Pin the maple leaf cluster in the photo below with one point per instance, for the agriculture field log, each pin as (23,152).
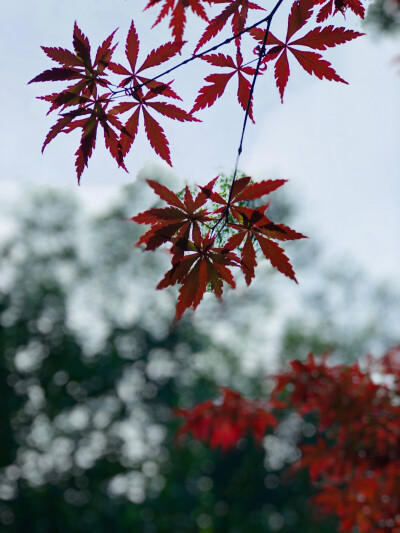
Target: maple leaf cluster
(202,251)
(354,457)
(119,105)
(355,460)
(93,93)
(223,424)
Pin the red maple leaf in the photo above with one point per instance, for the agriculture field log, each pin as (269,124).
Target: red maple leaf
(91,106)
(254,226)
(332,7)
(178,8)
(238,10)
(143,102)
(77,65)
(133,77)
(223,424)
(202,266)
(94,113)
(318,38)
(175,222)
(218,82)
(242,190)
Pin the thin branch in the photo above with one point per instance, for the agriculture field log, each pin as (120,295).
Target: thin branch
(246,116)
(268,19)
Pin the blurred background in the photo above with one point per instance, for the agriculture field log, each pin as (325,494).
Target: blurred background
(92,364)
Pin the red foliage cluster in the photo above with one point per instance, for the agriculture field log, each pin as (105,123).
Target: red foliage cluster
(354,458)
(93,93)
(223,424)
(202,257)
(87,102)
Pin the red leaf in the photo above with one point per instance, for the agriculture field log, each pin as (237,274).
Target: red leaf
(62,56)
(57,128)
(282,72)
(131,129)
(328,37)
(249,261)
(132,46)
(118,69)
(259,189)
(193,287)
(238,9)
(243,95)
(81,45)
(333,6)
(113,144)
(173,112)
(172,223)
(210,93)
(314,64)
(258,34)
(300,13)
(159,88)
(57,74)
(166,194)
(104,53)
(318,38)
(211,31)
(325,11)
(280,232)
(219,60)
(276,255)
(178,16)
(156,136)
(85,150)
(224,423)
(161,55)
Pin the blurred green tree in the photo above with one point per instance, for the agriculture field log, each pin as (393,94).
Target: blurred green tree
(384,15)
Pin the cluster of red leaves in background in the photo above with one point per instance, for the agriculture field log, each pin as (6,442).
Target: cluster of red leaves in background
(89,101)
(355,460)
(354,457)
(201,258)
(224,424)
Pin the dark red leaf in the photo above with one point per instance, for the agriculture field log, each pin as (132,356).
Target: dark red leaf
(328,37)
(210,93)
(173,112)
(156,136)
(314,64)
(57,74)
(161,55)
(81,45)
(276,255)
(62,56)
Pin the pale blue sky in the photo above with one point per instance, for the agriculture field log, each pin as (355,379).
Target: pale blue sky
(338,144)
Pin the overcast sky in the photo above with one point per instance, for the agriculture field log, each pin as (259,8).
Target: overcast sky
(337,144)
